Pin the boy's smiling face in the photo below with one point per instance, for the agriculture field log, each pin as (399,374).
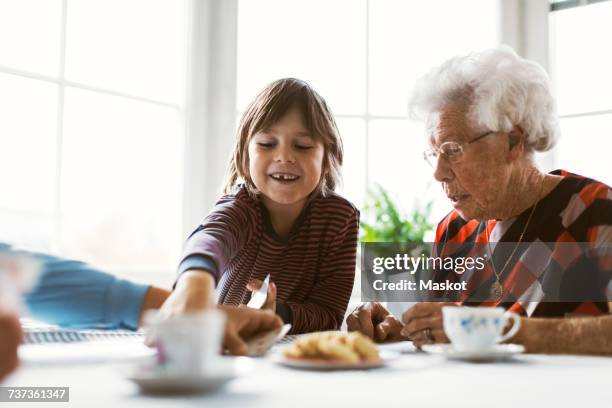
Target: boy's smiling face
(285,161)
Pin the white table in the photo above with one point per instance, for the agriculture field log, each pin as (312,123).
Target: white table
(413,380)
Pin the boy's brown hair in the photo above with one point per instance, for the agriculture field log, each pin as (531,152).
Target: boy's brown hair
(270,105)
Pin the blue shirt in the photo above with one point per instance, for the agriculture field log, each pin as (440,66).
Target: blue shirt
(74,294)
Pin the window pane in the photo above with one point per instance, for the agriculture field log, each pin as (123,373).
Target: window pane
(581,68)
(354,169)
(320,41)
(30,35)
(28,134)
(584,147)
(136,46)
(407,39)
(396,163)
(121,191)
(26,229)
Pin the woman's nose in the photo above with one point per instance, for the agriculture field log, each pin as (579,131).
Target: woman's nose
(442,170)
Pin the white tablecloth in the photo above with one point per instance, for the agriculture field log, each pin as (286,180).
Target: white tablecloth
(413,380)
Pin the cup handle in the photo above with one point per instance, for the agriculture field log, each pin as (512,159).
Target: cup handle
(515,326)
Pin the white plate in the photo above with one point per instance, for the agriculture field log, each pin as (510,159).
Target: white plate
(155,381)
(496,353)
(328,365)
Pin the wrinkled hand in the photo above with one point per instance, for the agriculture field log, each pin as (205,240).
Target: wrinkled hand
(270,304)
(376,322)
(10,338)
(423,316)
(243,323)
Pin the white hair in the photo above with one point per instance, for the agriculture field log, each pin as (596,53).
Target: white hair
(501,89)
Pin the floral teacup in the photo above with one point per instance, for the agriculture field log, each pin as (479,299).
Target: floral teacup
(478,328)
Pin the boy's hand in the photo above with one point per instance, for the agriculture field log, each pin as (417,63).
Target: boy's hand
(194,292)
(242,323)
(270,303)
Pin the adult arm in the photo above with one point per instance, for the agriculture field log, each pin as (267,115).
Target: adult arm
(75,294)
(577,335)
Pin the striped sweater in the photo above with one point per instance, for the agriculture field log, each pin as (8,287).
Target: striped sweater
(313,268)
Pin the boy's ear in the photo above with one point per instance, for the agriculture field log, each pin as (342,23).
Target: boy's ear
(324,175)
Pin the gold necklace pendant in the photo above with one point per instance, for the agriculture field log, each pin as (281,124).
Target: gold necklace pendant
(497,290)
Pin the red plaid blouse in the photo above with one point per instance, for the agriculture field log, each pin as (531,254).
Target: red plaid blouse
(578,211)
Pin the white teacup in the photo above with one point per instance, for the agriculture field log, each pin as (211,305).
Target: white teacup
(478,328)
(187,345)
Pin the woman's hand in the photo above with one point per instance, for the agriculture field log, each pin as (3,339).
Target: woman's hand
(423,324)
(376,322)
(270,304)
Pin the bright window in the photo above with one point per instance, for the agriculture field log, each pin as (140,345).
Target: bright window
(581,65)
(91,134)
(363,56)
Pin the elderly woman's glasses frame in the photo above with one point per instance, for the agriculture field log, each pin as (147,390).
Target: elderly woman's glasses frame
(452,150)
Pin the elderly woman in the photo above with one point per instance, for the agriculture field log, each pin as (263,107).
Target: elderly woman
(486,115)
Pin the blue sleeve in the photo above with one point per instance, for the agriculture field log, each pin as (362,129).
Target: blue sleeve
(201,262)
(72,293)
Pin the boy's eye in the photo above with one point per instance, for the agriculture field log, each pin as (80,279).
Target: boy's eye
(304,147)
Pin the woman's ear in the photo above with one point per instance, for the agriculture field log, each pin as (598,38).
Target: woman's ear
(516,141)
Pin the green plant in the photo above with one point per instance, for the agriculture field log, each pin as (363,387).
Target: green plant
(386,222)
(387,232)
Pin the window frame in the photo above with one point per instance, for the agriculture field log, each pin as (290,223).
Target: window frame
(182,108)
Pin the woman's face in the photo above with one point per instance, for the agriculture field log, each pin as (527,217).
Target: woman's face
(285,161)
(477,185)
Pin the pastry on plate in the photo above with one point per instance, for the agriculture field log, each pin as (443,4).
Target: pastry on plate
(334,346)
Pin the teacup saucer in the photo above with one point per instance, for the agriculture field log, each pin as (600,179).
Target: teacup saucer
(157,381)
(498,352)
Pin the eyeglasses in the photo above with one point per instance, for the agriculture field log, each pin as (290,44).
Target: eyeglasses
(452,150)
